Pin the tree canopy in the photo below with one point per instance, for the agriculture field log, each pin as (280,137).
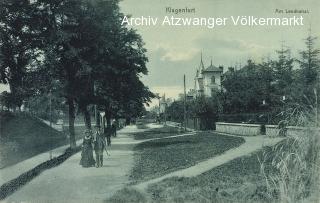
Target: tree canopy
(75,50)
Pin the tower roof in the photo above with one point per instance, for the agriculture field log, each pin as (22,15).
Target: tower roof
(212,68)
(201,66)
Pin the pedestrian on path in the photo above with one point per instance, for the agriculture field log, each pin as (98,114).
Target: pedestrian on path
(114,129)
(108,132)
(99,146)
(87,151)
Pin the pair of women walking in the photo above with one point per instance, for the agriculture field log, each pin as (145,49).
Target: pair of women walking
(94,142)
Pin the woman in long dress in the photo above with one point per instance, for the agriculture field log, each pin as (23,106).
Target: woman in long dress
(87,151)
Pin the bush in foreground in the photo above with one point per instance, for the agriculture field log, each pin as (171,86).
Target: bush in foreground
(297,169)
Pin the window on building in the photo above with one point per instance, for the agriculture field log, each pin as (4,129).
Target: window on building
(213,80)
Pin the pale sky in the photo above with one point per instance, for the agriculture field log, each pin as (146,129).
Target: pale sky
(174,51)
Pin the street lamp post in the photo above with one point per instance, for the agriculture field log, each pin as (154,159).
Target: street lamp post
(283,104)
(265,105)
(96,113)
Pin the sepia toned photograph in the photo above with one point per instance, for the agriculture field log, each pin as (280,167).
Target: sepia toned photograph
(151,101)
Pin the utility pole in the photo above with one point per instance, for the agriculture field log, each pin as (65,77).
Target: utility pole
(316,95)
(316,106)
(50,108)
(165,109)
(185,101)
(158,96)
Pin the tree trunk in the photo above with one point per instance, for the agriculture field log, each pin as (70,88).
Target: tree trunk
(108,119)
(71,123)
(128,121)
(87,118)
(97,116)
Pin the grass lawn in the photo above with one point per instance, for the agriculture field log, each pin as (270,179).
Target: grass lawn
(239,180)
(242,180)
(23,136)
(157,133)
(158,157)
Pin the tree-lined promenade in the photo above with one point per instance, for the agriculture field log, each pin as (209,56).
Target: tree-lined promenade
(71,53)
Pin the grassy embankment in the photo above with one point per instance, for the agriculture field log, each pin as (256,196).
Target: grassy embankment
(23,136)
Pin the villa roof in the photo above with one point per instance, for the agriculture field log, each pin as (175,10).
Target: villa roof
(212,68)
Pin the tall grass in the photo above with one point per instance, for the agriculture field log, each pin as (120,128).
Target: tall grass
(296,162)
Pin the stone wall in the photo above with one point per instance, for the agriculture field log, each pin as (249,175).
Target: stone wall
(255,129)
(238,128)
(272,130)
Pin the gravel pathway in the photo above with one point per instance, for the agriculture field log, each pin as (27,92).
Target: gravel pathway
(69,182)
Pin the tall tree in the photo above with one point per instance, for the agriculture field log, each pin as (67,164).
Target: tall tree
(65,53)
(310,66)
(283,70)
(117,78)
(309,61)
(20,40)
(307,85)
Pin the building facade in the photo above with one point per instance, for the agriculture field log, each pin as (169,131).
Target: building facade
(207,80)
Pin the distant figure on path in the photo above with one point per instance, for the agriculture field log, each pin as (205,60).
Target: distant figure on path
(114,129)
(99,146)
(87,151)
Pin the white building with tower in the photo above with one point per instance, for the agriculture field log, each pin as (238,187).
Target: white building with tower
(207,80)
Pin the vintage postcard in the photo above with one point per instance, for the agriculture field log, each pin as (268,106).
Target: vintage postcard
(160,101)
